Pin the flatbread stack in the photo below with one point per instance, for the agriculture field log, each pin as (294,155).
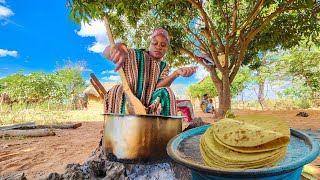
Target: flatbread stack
(246,143)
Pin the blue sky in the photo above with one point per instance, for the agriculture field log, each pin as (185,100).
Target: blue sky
(37,35)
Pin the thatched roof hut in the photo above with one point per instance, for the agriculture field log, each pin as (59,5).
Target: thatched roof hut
(93,94)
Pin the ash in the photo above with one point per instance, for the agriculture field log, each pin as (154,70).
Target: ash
(99,166)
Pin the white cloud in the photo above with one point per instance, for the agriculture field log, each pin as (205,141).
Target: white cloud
(97,30)
(111,78)
(108,72)
(97,47)
(83,68)
(201,73)
(4,52)
(87,70)
(5,12)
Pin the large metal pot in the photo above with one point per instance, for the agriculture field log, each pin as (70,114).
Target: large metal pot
(139,137)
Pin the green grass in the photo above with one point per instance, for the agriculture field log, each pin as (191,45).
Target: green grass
(44,116)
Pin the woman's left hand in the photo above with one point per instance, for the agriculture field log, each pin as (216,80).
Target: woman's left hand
(186,71)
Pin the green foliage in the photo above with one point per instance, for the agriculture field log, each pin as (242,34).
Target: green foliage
(71,78)
(206,85)
(132,22)
(264,66)
(241,81)
(303,64)
(297,91)
(35,86)
(39,86)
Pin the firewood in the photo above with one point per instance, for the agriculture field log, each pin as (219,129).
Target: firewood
(17,126)
(28,133)
(62,126)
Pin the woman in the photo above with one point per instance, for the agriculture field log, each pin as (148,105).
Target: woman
(147,75)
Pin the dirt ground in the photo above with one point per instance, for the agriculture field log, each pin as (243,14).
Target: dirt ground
(39,156)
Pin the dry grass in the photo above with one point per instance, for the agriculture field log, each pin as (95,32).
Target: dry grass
(41,116)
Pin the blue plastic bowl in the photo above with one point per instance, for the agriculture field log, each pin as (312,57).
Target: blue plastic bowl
(184,149)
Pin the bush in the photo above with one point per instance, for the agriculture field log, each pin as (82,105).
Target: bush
(304,104)
(230,114)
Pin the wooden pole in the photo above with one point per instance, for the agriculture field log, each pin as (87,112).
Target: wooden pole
(98,86)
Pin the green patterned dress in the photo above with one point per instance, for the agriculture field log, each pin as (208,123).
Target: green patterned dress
(143,73)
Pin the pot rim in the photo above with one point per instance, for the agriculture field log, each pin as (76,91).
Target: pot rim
(143,115)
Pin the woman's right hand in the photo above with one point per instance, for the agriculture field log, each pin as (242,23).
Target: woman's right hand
(117,54)
(186,71)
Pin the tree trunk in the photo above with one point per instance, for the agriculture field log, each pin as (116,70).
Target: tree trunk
(224,95)
(313,93)
(261,93)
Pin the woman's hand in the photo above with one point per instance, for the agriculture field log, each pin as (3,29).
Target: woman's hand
(117,54)
(186,71)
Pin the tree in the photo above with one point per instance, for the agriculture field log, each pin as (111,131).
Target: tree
(264,68)
(238,29)
(303,64)
(71,76)
(35,87)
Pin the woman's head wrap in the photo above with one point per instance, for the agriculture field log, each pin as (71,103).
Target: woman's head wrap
(162,32)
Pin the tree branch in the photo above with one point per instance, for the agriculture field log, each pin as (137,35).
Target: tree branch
(235,16)
(235,40)
(196,58)
(208,23)
(235,70)
(269,18)
(196,36)
(233,60)
(221,10)
(200,47)
(211,69)
(252,15)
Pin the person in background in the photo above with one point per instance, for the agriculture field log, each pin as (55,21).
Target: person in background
(204,102)
(210,108)
(83,101)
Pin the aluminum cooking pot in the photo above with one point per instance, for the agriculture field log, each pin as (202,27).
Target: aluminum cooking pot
(139,137)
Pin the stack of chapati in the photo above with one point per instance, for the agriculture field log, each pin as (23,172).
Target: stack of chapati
(245,143)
